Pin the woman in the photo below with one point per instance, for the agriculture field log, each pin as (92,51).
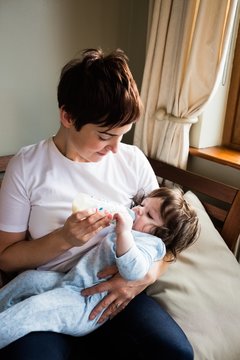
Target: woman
(98,102)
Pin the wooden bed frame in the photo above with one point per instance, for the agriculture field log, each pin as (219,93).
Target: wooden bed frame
(221,201)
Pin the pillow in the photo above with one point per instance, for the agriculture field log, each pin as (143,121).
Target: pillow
(201,291)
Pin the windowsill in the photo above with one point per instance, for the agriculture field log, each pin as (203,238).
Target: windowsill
(218,154)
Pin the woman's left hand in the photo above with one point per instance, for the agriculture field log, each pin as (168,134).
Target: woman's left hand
(120,291)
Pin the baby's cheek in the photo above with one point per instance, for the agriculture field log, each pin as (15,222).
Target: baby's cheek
(138,226)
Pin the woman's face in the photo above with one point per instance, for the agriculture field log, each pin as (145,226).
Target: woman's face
(148,215)
(92,143)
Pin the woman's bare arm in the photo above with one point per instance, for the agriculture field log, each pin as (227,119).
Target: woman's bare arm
(18,253)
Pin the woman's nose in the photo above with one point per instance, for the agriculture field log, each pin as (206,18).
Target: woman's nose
(113,146)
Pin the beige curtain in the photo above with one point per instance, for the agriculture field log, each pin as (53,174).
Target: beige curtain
(187,46)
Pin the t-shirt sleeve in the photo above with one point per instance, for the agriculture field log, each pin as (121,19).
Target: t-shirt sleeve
(14,202)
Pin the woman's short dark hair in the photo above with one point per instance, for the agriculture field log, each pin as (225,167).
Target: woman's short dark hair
(99,89)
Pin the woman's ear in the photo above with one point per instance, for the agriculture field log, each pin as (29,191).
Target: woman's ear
(65,118)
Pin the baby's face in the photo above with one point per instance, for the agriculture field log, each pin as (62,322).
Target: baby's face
(148,215)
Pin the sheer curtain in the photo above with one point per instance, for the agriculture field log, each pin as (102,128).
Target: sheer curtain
(186,51)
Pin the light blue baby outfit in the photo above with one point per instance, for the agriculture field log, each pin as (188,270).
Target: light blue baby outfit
(50,301)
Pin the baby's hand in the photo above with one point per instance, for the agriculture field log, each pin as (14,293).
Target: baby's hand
(124,221)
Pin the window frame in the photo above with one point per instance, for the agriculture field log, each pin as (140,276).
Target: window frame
(231,130)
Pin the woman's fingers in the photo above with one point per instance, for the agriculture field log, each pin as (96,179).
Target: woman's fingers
(118,295)
(118,308)
(83,225)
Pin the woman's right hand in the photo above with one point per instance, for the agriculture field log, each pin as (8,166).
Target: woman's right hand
(83,225)
(17,253)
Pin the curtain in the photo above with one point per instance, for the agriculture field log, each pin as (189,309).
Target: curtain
(186,50)
(237,249)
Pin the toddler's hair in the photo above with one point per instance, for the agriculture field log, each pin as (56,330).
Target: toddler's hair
(181,225)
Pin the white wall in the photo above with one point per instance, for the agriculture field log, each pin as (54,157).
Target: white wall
(37,37)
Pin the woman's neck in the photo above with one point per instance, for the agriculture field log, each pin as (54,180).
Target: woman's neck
(62,144)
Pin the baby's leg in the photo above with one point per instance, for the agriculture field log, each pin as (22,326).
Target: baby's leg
(60,310)
(26,284)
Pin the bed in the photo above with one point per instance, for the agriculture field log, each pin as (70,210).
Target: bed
(201,290)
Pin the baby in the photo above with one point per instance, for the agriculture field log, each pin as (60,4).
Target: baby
(158,224)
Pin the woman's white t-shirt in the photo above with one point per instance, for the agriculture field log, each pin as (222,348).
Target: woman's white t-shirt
(40,184)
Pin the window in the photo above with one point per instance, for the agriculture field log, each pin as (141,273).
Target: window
(231,132)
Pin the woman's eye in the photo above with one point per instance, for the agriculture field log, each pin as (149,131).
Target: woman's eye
(103,138)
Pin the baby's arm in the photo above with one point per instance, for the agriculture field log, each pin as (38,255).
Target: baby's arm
(124,236)
(135,251)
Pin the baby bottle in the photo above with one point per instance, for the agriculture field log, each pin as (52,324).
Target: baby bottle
(84,201)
